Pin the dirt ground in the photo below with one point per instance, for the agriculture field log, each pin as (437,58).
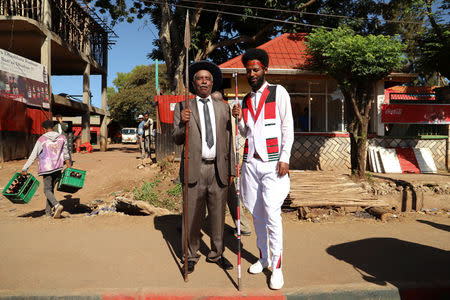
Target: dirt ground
(108,172)
(119,171)
(115,250)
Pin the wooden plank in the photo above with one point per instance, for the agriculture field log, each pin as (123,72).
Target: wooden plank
(315,189)
(425,160)
(322,180)
(380,213)
(324,186)
(333,190)
(355,199)
(373,203)
(389,161)
(325,192)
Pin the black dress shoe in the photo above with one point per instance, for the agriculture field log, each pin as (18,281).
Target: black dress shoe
(222,262)
(190,267)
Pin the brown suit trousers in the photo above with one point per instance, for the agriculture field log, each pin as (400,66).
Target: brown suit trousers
(207,181)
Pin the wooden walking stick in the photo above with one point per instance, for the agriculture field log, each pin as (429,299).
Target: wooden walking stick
(238,190)
(187,43)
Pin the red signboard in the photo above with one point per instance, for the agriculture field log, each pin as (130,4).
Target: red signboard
(415,113)
(409,93)
(166,106)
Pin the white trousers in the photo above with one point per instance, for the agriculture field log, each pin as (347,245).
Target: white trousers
(263,193)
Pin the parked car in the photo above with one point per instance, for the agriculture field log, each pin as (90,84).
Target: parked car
(129,135)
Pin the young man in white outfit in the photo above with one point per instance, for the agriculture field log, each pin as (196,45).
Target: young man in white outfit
(265,120)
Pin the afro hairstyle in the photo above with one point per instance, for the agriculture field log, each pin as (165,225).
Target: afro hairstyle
(255,53)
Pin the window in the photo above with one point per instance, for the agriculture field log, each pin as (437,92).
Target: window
(129,131)
(317,105)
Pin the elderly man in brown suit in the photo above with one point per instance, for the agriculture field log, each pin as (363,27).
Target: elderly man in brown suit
(211,161)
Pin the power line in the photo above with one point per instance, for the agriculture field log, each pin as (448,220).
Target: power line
(151,30)
(239,15)
(292,11)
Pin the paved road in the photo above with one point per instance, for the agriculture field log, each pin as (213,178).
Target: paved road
(106,255)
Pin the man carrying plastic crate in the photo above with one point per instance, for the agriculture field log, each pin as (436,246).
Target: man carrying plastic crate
(52,151)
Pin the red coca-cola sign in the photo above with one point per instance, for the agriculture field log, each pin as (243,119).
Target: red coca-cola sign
(415,113)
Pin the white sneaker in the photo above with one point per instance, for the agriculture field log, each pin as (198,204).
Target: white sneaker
(258,267)
(276,280)
(58,210)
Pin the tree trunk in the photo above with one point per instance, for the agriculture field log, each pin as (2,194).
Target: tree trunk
(173,50)
(359,102)
(178,77)
(361,150)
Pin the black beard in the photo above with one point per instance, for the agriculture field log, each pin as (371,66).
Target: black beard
(255,86)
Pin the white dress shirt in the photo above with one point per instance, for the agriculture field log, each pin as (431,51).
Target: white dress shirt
(287,124)
(207,153)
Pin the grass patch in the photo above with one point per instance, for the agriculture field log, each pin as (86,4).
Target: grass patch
(175,190)
(147,193)
(370,178)
(160,193)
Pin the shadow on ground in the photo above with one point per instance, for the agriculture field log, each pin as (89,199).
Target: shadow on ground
(435,225)
(71,205)
(400,263)
(410,199)
(170,227)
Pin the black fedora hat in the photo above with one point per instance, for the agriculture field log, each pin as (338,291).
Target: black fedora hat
(209,66)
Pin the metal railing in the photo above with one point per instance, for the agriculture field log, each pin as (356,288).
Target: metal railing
(73,21)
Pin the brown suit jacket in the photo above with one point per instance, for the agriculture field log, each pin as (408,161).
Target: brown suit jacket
(225,156)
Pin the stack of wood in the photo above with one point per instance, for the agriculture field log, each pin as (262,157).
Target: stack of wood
(318,189)
(313,190)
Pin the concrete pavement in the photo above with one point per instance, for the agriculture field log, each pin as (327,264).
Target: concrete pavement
(123,257)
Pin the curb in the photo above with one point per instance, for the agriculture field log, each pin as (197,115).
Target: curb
(316,293)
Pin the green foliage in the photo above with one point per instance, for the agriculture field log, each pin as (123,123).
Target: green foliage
(135,94)
(434,53)
(428,42)
(176,190)
(215,36)
(352,58)
(370,178)
(147,192)
(150,193)
(356,62)
(233,34)
(121,80)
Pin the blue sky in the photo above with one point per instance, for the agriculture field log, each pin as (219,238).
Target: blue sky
(134,42)
(131,48)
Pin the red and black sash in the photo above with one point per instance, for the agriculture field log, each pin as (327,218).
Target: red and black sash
(267,100)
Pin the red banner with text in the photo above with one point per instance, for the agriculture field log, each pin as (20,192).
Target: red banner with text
(415,113)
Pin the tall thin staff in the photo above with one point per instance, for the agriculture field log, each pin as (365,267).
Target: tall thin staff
(238,190)
(187,43)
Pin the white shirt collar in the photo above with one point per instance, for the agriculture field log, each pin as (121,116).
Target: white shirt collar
(261,89)
(198,98)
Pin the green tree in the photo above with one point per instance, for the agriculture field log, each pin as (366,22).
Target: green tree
(121,79)
(356,62)
(110,91)
(423,27)
(215,34)
(135,94)
(434,42)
